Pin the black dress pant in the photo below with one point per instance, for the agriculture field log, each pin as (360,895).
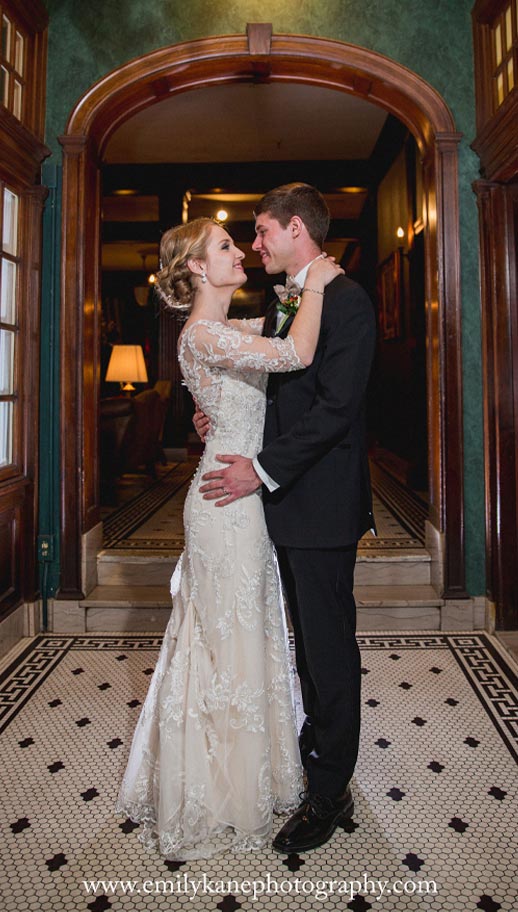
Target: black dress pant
(318,586)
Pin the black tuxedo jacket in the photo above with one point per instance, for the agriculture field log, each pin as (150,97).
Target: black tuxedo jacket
(314,437)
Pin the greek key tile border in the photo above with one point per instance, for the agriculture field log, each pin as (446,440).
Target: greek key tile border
(491,676)
(409,508)
(494,681)
(33,666)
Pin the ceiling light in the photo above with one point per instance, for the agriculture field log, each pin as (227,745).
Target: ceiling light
(222,215)
(125,191)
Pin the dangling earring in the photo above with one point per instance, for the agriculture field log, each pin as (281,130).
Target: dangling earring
(204,277)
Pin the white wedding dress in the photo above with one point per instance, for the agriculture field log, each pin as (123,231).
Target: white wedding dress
(215,750)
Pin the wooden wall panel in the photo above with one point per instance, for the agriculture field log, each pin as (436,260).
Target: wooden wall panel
(497,197)
(11,544)
(7,556)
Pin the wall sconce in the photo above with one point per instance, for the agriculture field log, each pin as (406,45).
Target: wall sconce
(126,365)
(141,292)
(401,234)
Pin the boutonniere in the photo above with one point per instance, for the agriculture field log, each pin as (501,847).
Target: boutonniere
(289,307)
(289,300)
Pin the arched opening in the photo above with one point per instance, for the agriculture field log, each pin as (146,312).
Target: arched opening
(311,61)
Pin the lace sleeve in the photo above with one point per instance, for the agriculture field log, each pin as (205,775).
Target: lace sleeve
(253,325)
(219,345)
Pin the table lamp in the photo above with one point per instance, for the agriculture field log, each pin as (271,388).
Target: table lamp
(126,365)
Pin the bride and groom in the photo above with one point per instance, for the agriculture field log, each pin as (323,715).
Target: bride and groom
(215,751)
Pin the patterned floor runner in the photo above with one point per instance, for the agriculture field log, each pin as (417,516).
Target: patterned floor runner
(153,521)
(120,524)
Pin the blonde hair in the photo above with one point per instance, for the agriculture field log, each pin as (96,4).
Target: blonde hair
(175,283)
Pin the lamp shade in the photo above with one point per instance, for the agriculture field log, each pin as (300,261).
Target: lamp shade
(127,364)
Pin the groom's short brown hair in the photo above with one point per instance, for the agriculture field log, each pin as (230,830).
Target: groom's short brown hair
(303,200)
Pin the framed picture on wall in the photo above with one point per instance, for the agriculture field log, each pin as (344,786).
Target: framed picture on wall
(389,296)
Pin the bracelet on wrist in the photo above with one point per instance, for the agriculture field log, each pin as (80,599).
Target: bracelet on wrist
(314,290)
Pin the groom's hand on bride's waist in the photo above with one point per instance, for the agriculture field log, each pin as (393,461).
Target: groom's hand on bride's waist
(237,480)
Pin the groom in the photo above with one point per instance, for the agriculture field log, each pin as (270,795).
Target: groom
(317,502)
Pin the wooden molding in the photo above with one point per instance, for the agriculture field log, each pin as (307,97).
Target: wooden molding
(450,343)
(21,153)
(292,58)
(485,10)
(31,13)
(496,144)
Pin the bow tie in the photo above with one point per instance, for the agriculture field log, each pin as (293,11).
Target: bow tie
(290,290)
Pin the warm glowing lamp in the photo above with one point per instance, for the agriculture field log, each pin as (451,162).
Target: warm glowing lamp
(222,215)
(126,365)
(400,232)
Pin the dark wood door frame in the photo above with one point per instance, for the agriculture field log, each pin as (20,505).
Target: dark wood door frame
(498,223)
(283,58)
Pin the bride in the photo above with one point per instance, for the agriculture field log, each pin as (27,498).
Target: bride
(215,751)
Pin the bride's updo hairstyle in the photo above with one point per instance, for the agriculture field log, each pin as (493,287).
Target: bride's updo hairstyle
(176,284)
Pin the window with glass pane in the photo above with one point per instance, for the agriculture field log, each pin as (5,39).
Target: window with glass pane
(12,65)
(505,52)
(6,433)
(9,265)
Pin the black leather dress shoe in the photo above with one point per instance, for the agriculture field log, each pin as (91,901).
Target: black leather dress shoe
(314,822)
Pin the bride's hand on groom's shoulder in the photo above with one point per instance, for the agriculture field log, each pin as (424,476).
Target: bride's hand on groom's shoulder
(323,270)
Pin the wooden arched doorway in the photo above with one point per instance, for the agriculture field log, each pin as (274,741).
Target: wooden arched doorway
(256,57)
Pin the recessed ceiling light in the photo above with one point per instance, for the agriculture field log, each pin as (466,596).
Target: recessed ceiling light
(125,191)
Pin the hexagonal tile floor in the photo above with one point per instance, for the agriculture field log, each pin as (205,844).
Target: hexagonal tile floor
(435,788)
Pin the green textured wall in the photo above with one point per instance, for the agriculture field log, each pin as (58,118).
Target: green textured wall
(431,37)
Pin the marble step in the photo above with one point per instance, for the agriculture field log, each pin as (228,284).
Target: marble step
(121,596)
(116,568)
(415,607)
(127,608)
(402,568)
(147,608)
(408,568)
(396,596)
